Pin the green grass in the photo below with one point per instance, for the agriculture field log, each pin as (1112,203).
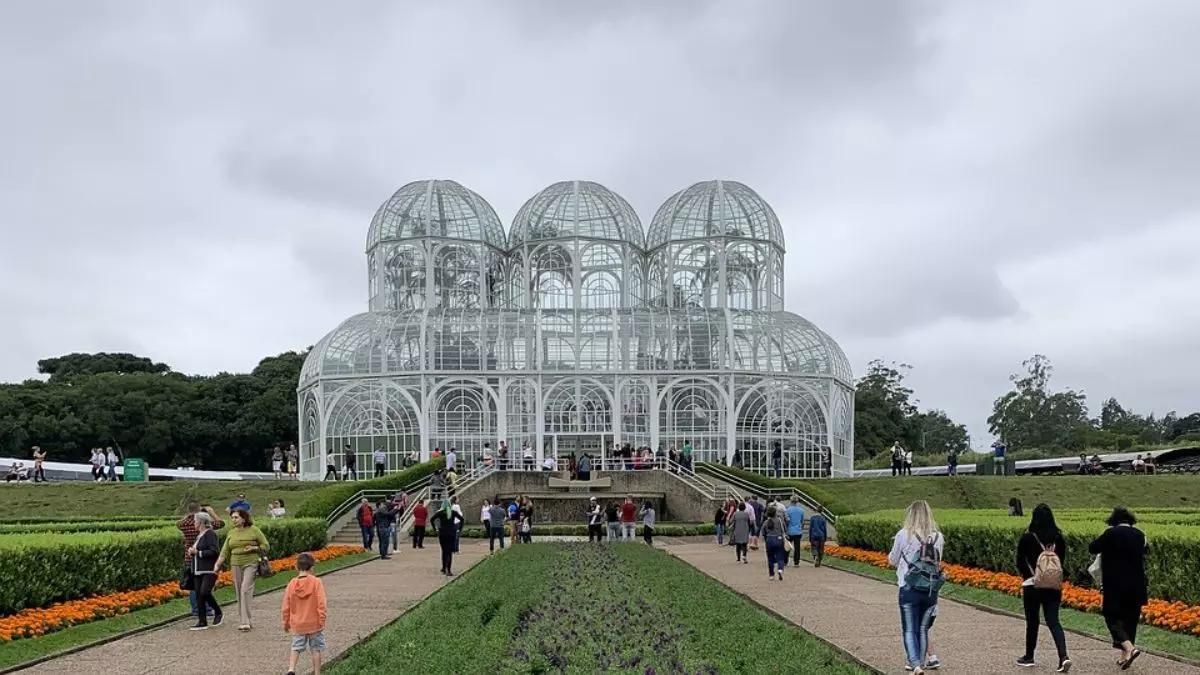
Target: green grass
(68,499)
(1158,639)
(860,495)
(577,608)
(22,651)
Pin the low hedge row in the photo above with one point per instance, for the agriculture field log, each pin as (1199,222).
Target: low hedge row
(662,530)
(320,503)
(988,540)
(31,520)
(42,568)
(87,526)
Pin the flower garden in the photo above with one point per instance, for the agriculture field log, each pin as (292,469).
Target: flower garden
(575,607)
(980,548)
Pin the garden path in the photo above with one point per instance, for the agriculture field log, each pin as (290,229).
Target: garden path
(360,600)
(860,616)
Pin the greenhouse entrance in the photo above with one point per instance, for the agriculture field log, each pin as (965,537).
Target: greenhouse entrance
(567,447)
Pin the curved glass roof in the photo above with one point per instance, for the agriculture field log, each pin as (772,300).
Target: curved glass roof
(715,208)
(576,209)
(436,208)
(580,341)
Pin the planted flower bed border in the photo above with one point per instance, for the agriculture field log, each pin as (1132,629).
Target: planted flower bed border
(31,623)
(1174,616)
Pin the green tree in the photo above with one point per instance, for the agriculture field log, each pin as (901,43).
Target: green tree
(1031,416)
(883,410)
(75,365)
(940,434)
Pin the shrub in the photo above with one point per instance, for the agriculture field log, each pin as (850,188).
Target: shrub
(87,526)
(41,568)
(322,502)
(988,539)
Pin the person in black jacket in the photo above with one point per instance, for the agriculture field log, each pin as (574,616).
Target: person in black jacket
(385,520)
(445,523)
(1043,535)
(1122,551)
(204,554)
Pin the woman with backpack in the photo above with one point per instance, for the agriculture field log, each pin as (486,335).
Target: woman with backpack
(917,556)
(1041,559)
(1122,551)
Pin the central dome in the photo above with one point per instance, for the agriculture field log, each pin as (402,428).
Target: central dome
(576,210)
(715,208)
(436,208)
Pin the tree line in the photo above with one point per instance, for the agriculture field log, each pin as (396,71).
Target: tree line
(223,421)
(1030,416)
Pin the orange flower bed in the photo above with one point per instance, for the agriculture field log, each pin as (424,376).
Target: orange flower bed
(1175,616)
(31,623)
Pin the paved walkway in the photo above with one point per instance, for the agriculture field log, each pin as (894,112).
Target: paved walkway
(860,616)
(360,599)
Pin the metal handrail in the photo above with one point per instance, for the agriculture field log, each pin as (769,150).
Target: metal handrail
(348,505)
(788,492)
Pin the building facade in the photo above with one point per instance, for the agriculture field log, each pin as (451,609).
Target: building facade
(576,331)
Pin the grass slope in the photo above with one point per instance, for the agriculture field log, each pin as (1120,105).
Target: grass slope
(68,499)
(580,608)
(860,495)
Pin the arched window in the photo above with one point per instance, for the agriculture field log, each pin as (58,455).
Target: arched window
(456,273)
(784,416)
(404,277)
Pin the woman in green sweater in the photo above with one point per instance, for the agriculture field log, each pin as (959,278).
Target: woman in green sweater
(243,547)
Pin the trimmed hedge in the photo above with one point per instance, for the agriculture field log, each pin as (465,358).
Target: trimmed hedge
(87,526)
(43,568)
(988,539)
(322,502)
(662,530)
(35,520)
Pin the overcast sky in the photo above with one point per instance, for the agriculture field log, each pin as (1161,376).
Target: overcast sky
(961,184)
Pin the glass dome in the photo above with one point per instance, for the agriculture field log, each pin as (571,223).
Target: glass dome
(576,209)
(436,208)
(712,209)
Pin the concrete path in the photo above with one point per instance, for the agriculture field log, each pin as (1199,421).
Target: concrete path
(860,616)
(360,600)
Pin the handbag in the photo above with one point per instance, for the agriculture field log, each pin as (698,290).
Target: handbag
(1096,571)
(187,579)
(264,567)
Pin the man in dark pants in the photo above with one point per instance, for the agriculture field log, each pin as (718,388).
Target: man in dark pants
(348,462)
(385,520)
(777,459)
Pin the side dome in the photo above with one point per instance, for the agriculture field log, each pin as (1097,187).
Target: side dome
(715,208)
(436,208)
(576,210)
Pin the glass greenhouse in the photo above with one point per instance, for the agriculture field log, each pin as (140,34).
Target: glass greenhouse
(577,332)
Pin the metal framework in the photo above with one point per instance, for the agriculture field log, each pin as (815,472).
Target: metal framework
(576,333)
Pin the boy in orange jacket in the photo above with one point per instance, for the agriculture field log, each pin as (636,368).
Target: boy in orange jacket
(304,614)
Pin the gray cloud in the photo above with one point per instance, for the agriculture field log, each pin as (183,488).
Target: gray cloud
(961,185)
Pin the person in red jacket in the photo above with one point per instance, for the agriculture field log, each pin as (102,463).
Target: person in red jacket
(420,519)
(304,614)
(628,519)
(366,522)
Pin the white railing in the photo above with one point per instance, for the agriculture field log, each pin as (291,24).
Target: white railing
(779,493)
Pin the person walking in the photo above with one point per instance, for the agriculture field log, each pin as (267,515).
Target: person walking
(739,532)
(612,516)
(1041,559)
(816,537)
(39,468)
(794,516)
(777,459)
(330,466)
(243,548)
(420,521)
(756,512)
(399,507)
(595,521)
(366,522)
(191,531)
(304,613)
(916,554)
(719,523)
(514,519)
(1122,551)
(897,460)
(496,517)
(628,519)
(111,460)
(908,460)
(451,459)
(774,532)
(349,463)
(525,520)
(647,514)
(97,462)
(380,459)
(277,462)
(204,552)
(293,462)
(462,520)
(385,520)
(445,524)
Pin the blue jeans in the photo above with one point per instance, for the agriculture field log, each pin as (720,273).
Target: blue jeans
(368,535)
(776,554)
(385,538)
(916,618)
(495,533)
(721,535)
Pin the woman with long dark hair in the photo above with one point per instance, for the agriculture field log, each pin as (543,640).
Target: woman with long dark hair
(1122,551)
(1041,559)
(445,523)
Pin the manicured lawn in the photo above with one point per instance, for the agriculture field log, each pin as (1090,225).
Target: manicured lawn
(1158,639)
(859,495)
(581,608)
(22,651)
(160,498)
